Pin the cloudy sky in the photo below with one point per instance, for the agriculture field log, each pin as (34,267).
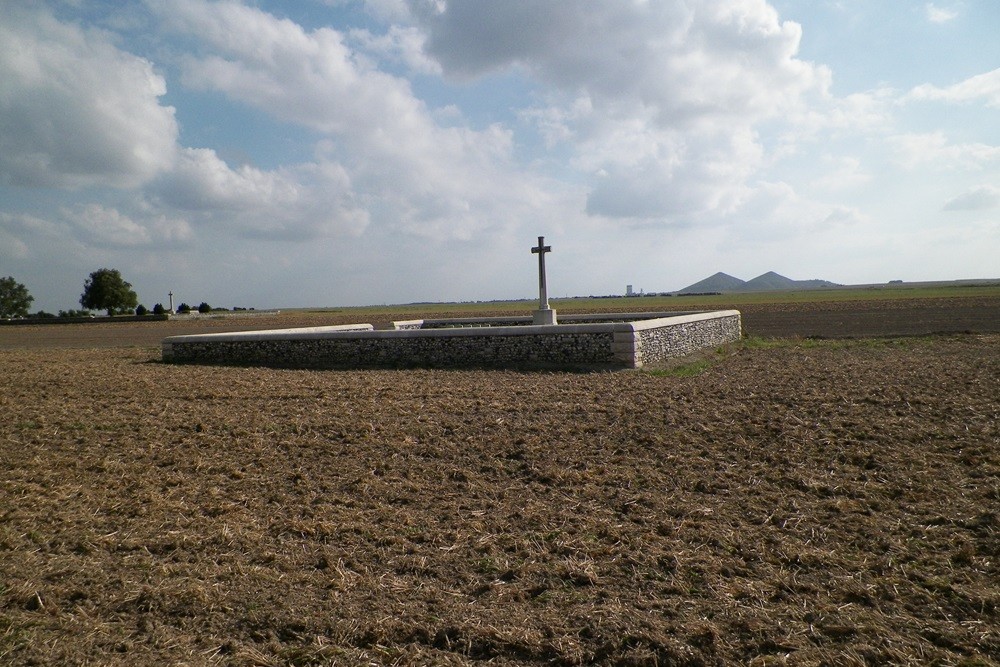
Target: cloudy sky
(292,153)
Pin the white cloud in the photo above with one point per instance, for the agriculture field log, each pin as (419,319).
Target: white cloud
(729,59)
(310,78)
(404,45)
(857,112)
(985,87)
(409,172)
(844,173)
(659,100)
(304,202)
(107,226)
(36,242)
(981,198)
(203,181)
(913,150)
(774,211)
(668,173)
(25,226)
(75,110)
(12,247)
(844,217)
(937,14)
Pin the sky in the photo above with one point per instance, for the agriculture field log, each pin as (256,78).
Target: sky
(322,153)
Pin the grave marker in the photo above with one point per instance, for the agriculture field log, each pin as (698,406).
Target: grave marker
(544,314)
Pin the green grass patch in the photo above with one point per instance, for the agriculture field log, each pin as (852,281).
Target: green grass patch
(691,365)
(665,302)
(737,299)
(762,343)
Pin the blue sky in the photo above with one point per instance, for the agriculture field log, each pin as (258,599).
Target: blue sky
(348,152)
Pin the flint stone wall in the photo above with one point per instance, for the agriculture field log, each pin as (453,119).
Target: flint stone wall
(612,345)
(658,343)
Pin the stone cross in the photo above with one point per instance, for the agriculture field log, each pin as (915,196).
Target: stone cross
(543,295)
(171,295)
(544,314)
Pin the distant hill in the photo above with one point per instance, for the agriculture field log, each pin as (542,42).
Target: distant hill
(767,282)
(719,282)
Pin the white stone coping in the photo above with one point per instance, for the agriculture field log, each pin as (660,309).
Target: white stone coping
(349,331)
(489,321)
(271,334)
(642,325)
(370,333)
(409,323)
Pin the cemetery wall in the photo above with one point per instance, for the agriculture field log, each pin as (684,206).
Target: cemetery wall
(615,344)
(526,320)
(685,335)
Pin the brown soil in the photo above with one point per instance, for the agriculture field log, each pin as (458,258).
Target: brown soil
(819,502)
(896,317)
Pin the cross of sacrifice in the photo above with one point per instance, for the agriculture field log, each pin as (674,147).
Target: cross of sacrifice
(543,296)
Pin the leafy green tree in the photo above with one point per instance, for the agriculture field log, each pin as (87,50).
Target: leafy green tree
(204,308)
(141,310)
(14,298)
(184,308)
(105,289)
(158,309)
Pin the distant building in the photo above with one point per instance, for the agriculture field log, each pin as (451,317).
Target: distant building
(629,291)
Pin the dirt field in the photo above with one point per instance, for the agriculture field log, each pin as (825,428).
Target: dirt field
(798,502)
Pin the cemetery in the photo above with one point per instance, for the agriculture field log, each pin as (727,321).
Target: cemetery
(466,343)
(629,340)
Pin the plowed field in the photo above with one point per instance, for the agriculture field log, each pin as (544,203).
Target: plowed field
(805,502)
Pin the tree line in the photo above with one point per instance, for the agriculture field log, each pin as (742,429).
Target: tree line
(104,289)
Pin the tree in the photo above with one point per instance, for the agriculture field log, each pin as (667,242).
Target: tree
(141,310)
(158,309)
(14,298)
(105,289)
(204,308)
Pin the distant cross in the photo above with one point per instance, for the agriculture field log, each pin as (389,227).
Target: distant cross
(543,296)
(171,295)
